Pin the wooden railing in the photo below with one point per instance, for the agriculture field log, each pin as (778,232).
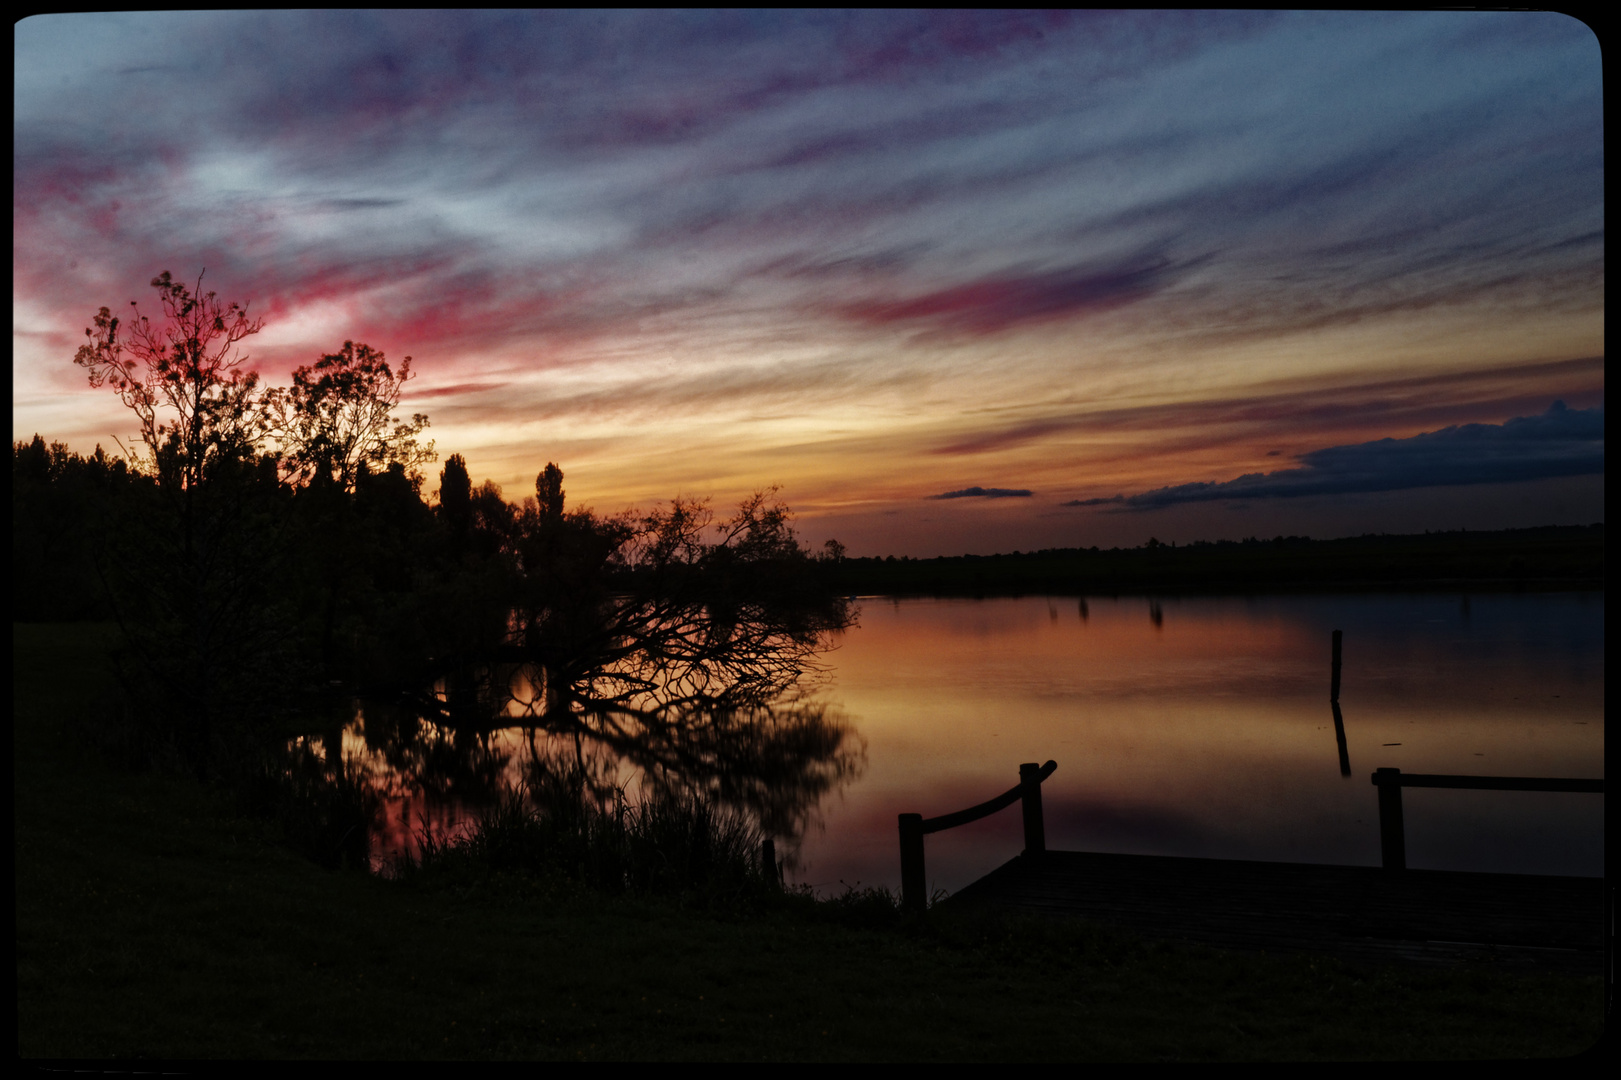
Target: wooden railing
(1392,834)
(914,827)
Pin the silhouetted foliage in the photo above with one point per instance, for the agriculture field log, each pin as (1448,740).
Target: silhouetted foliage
(234,568)
(268,553)
(644,617)
(338,417)
(62,507)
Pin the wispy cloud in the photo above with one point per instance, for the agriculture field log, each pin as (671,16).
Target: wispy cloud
(999,302)
(1117,249)
(1413,401)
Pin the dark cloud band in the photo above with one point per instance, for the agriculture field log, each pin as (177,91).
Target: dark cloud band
(1559,442)
(985,493)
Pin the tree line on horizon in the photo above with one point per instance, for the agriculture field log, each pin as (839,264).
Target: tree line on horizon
(1541,556)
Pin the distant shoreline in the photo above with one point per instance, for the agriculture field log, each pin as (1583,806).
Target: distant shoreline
(1548,558)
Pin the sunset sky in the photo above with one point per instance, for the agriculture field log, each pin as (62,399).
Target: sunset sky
(957,282)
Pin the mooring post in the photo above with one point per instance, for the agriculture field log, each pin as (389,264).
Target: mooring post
(1035,833)
(912,880)
(1339,737)
(1334,678)
(1392,840)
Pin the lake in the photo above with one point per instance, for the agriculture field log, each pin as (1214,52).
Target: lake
(1195,726)
(1202,727)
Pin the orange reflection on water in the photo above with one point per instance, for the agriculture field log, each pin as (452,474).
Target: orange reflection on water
(420,793)
(1201,726)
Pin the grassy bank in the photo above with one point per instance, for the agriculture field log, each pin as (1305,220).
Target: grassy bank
(155,922)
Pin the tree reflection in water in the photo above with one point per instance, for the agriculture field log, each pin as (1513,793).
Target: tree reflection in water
(634,649)
(433,764)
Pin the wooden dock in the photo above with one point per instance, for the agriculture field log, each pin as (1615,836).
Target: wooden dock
(1356,913)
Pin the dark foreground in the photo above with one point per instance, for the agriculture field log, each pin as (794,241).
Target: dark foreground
(1360,914)
(154,926)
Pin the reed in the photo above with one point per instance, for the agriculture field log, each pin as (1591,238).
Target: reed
(665,845)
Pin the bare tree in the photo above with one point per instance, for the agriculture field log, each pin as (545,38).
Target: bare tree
(188,365)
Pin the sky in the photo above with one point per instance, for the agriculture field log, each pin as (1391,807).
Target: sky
(954,281)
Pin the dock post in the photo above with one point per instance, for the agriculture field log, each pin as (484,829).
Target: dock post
(1392,839)
(1334,678)
(1035,832)
(913,883)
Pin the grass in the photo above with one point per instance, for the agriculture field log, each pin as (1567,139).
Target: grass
(154,921)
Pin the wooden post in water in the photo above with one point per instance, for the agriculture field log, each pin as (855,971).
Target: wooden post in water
(913,884)
(1035,832)
(1334,680)
(1392,837)
(1339,737)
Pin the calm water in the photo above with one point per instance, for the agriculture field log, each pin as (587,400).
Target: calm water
(1202,727)
(1193,726)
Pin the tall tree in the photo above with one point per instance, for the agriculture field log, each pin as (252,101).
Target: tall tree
(456,497)
(549,491)
(191,569)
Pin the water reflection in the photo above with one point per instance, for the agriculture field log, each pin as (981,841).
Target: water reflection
(1204,734)
(1199,732)
(434,759)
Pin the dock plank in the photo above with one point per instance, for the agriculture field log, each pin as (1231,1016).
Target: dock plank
(1357,913)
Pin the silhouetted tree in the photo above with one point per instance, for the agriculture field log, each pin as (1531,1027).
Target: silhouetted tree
(188,365)
(549,491)
(456,497)
(239,569)
(190,568)
(649,619)
(340,441)
(339,416)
